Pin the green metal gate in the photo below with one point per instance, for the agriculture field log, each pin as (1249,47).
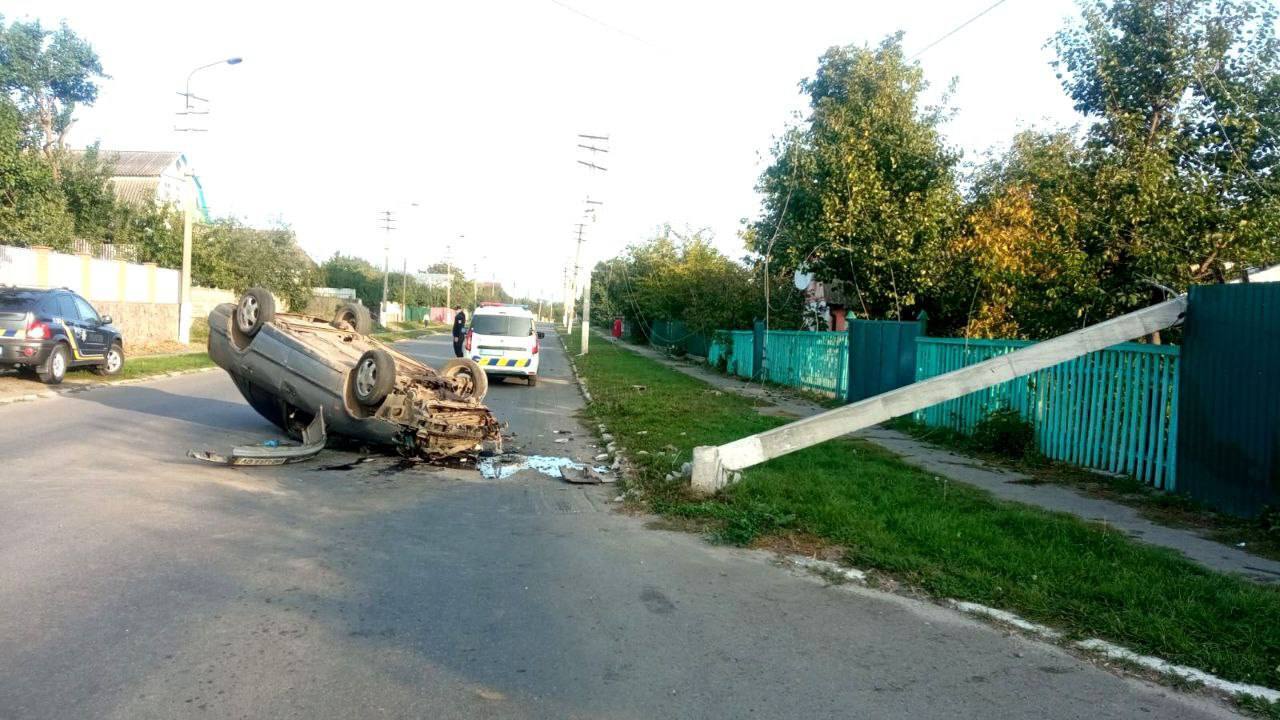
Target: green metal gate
(882,356)
(1229,439)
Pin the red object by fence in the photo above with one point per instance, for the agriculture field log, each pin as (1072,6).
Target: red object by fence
(617,327)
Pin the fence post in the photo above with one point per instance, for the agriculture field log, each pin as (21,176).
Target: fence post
(757,351)
(850,326)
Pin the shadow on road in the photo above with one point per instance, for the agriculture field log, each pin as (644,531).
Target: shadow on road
(210,412)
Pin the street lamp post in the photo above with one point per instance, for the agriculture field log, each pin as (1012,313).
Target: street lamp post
(188,207)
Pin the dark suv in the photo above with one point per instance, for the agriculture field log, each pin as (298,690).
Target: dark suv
(49,331)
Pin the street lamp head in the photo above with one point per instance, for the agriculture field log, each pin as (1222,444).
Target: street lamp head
(234,61)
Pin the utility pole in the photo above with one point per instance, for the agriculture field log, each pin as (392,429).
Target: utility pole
(448,268)
(404,286)
(567,298)
(475,287)
(573,282)
(386,220)
(594,146)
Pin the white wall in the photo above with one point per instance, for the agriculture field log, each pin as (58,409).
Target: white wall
(97,280)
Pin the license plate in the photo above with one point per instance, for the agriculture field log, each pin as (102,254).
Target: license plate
(490,352)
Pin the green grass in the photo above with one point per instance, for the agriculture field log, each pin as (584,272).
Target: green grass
(160,364)
(1261,536)
(402,331)
(944,538)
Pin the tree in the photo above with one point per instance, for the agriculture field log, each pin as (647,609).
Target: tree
(47,74)
(1185,96)
(675,276)
(1022,266)
(864,191)
(32,207)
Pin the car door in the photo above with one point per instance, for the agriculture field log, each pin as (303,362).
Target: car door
(93,341)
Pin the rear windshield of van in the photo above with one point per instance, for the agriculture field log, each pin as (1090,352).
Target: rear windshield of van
(502,325)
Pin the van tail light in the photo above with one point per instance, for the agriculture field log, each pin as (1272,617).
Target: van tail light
(535,346)
(37,330)
(469,334)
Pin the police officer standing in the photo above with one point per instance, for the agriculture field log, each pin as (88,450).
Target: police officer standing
(459,330)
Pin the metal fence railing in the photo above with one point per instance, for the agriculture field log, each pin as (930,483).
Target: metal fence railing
(1114,410)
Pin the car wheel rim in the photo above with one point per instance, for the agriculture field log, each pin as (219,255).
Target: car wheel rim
(58,365)
(467,384)
(248,312)
(113,361)
(366,378)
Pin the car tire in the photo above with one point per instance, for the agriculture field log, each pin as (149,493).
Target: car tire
(355,315)
(533,381)
(114,362)
(478,386)
(374,376)
(256,308)
(54,368)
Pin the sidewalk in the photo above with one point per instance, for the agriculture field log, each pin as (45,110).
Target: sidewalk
(1001,483)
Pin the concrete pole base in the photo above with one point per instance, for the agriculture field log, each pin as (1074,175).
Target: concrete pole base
(709,474)
(184,323)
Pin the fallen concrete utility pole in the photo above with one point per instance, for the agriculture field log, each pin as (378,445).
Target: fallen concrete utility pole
(712,465)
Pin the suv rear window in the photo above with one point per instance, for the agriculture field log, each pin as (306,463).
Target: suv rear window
(502,325)
(18,302)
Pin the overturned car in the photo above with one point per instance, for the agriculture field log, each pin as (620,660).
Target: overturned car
(302,373)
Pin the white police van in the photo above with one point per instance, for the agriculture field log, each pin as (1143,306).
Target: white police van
(503,340)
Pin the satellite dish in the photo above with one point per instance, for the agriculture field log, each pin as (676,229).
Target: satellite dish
(803,280)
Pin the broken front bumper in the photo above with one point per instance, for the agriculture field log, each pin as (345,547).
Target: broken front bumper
(313,441)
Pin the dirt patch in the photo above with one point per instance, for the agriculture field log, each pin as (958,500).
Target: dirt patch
(15,385)
(798,543)
(161,347)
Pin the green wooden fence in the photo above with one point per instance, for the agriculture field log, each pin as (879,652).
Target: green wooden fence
(675,334)
(1114,410)
(734,348)
(814,361)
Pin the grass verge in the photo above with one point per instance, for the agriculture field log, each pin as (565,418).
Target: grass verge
(402,331)
(145,366)
(942,538)
(1260,537)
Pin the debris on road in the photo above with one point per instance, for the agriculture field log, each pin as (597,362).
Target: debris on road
(271,452)
(504,466)
(581,475)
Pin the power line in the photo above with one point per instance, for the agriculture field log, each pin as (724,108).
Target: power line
(602,23)
(954,30)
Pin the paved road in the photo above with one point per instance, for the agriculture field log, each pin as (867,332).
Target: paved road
(137,584)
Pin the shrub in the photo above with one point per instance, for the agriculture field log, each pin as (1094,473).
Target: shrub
(1005,432)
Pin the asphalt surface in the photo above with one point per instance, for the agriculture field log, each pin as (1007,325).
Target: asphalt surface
(135,583)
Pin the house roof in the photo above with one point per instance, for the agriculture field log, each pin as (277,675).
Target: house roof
(139,163)
(140,191)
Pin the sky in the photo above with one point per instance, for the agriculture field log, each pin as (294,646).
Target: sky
(462,118)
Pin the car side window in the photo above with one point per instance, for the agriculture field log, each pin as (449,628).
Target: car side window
(67,309)
(86,311)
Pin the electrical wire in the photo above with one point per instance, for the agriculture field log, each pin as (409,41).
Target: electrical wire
(603,24)
(954,30)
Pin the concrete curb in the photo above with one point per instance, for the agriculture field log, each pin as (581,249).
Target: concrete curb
(1095,646)
(1111,651)
(86,387)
